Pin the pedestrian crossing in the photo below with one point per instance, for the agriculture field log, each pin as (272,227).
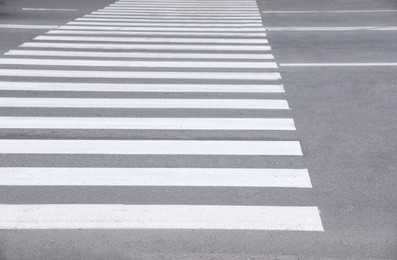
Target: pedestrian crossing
(188,66)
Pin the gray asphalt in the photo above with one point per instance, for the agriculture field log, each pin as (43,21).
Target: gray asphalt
(345,119)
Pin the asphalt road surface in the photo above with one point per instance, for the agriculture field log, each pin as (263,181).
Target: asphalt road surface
(198,129)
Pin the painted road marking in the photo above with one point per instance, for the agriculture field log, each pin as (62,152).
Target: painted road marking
(147,123)
(205,14)
(329,11)
(332,29)
(380,64)
(180,24)
(165,29)
(145,103)
(112,19)
(151,46)
(150,147)
(149,39)
(96,87)
(142,33)
(137,64)
(114,216)
(156,55)
(177,18)
(141,75)
(195,177)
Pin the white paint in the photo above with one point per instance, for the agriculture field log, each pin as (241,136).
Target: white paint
(145,103)
(179,24)
(142,33)
(49,9)
(137,46)
(97,87)
(138,64)
(139,55)
(27,26)
(208,6)
(150,39)
(245,76)
(164,29)
(192,11)
(195,177)
(177,18)
(380,64)
(113,216)
(242,9)
(179,21)
(202,15)
(147,123)
(150,147)
(332,29)
(328,11)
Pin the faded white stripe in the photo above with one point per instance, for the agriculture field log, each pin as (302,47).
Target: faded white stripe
(204,177)
(105,216)
(150,147)
(147,123)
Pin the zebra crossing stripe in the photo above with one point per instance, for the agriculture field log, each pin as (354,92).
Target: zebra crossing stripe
(202,15)
(157,55)
(150,147)
(178,18)
(114,216)
(179,21)
(145,103)
(147,123)
(194,177)
(166,25)
(150,39)
(141,75)
(137,64)
(167,34)
(164,29)
(101,87)
(147,46)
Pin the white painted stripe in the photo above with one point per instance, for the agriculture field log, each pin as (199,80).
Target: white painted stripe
(244,9)
(49,9)
(178,18)
(147,123)
(113,216)
(139,64)
(196,177)
(192,11)
(27,26)
(150,147)
(163,29)
(159,33)
(332,29)
(150,39)
(380,64)
(202,15)
(96,87)
(329,11)
(178,6)
(141,75)
(182,23)
(157,20)
(157,55)
(145,103)
(132,46)
(166,25)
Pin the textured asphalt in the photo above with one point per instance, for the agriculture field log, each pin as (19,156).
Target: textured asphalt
(345,119)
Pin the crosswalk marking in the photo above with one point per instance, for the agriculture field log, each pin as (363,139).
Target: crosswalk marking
(98,87)
(172,25)
(140,75)
(149,46)
(147,123)
(206,65)
(151,39)
(135,64)
(195,177)
(164,29)
(150,147)
(142,33)
(145,103)
(156,55)
(105,216)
